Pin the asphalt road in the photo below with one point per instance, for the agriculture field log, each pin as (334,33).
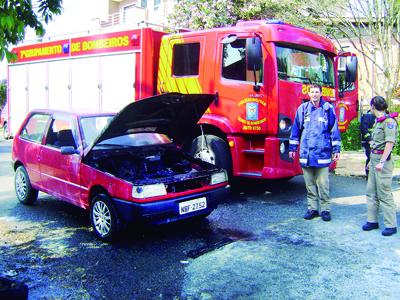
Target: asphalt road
(256,245)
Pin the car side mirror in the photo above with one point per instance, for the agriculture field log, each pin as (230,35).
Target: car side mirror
(68,150)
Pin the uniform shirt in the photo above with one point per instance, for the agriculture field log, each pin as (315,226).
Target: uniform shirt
(383,132)
(315,129)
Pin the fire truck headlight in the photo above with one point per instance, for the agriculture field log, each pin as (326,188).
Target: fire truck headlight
(282,148)
(285,124)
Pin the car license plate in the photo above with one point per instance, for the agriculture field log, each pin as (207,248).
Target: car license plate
(192,205)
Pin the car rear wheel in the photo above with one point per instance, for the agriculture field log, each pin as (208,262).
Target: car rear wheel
(26,194)
(104,219)
(212,149)
(6,134)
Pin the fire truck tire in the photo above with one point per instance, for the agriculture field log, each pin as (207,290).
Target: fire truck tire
(26,194)
(212,149)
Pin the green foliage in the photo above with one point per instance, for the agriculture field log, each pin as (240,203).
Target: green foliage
(351,138)
(218,13)
(204,14)
(3,93)
(396,149)
(16,15)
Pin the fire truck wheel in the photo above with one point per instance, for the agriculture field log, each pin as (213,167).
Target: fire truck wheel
(26,194)
(212,149)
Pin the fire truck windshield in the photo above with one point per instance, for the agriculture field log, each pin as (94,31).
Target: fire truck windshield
(306,67)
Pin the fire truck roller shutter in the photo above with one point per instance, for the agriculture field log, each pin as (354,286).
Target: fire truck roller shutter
(212,149)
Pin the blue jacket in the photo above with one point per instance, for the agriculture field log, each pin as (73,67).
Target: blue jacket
(315,129)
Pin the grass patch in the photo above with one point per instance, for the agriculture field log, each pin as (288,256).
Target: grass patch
(397,163)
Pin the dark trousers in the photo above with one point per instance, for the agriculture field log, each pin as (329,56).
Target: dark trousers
(367,148)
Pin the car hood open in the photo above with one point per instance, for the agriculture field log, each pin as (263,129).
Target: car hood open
(173,114)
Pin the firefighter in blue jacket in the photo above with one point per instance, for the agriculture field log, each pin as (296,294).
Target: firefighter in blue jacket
(316,131)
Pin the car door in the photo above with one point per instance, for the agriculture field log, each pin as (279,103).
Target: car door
(61,172)
(29,144)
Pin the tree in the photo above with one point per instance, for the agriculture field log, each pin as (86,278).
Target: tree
(370,28)
(204,14)
(16,15)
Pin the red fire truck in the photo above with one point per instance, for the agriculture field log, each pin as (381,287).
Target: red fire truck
(259,71)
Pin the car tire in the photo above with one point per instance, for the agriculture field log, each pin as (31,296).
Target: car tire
(214,151)
(6,134)
(26,194)
(12,289)
(104,218)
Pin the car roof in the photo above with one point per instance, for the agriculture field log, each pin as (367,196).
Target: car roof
(73,112)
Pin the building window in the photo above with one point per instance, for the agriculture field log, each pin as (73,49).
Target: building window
(143,3)
(185,61)
(128,13)
(156,4)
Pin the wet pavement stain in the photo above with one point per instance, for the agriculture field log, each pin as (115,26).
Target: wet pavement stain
(218,238)
(286,239)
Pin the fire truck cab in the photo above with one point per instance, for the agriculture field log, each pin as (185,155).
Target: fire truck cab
(260,73)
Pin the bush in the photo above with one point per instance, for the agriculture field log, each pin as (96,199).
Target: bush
(396,149)
(351,138)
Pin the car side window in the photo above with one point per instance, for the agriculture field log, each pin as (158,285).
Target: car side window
(61,133)
(35,127)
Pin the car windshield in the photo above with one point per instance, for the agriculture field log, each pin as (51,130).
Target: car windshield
(137,140)
(92,126)
(306,67)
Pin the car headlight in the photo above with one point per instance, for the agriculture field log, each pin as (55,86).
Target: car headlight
(150,190)
(218,178)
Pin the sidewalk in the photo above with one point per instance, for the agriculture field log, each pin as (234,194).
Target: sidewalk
(351,163)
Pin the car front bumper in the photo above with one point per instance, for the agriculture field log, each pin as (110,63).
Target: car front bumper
(166,211)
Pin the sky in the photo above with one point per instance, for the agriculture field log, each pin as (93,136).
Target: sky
(77,16)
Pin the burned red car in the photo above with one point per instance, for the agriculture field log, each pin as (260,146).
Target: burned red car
(123,168)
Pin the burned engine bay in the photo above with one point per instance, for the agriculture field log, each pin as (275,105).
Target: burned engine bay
(152,164)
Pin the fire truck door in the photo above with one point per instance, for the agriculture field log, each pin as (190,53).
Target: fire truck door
(240,90)
(347,98)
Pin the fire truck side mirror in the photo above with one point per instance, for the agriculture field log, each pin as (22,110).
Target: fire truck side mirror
(351,69)
(254,53)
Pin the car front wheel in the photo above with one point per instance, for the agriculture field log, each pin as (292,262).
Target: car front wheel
(26,194)
(104,218)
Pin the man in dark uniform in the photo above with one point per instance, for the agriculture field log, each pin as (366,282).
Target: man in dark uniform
(367,122)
